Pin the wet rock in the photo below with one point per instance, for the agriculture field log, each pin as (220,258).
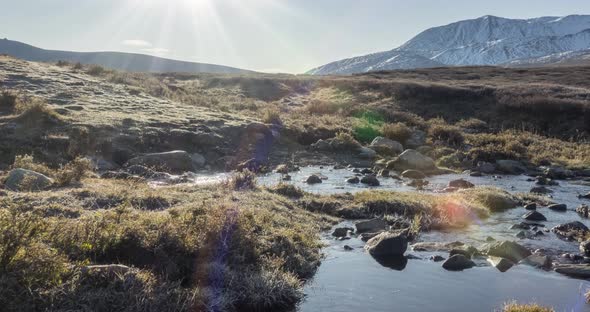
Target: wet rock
(490,239)
(502,264)
(437,258)
(19,180)
(558,207)
(583,210)
(413,174)
(485,167)
(461,183)
(557,172)
(475,174)
(575,229)
(545,181)
(510,166)
(370,180)
(367,236)
(458,263)
(459,252)
(507,249)
(539,233)
(411,159)
(387,245)
(520,226)
(386,146)
(574,270)
(367,171)
(435,246)
(540,190)
(313,179)
(374,225)
(173,162)
(521,235)
(348,248)
(341,232)
(587,196)
(286,177)
(534,216)
(384,173)
(531,206)
(537,260)
(353,180)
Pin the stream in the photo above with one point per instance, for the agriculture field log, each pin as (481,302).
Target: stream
(353,280)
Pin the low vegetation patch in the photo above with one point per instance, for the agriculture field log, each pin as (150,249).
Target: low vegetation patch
(515,307)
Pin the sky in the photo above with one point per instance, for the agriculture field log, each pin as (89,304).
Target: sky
(291,36)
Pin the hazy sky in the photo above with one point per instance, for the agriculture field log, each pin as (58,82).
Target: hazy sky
(266,35)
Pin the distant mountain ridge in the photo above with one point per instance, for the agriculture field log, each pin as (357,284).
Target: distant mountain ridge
(488,40)
(115,60)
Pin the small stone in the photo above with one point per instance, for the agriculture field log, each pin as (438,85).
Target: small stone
(502,264)
(353,180)
(370,180)
(348,248)
(437,258)
(531,206)
(341,232)
(461,184)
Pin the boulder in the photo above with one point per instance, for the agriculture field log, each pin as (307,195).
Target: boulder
(322,145)
(574,270)
(313,179)
(537,260)
(411,159)
(458,263)
(413,174)
(530,206)
(370,180)
(587,196)
(387,245)
(461,183)
(558,207)
(510,166)
(386,146)
(173,162)
(26,180)
(507,249)
(437,258)
(485,167)
(534,216)
(573,229)
(374,225)
(366,153)
(557,172)
(353,180)
(585,248)
(502,264)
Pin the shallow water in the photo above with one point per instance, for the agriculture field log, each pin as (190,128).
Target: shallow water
(352,281)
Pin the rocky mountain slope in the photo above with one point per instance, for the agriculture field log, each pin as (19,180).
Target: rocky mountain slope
(488,40)
(115,60)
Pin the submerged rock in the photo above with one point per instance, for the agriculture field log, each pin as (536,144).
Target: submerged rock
(458,263)
(26,180)
(502,264)
(374,225)
(437,258)
(387,245)
(540,190)
(507,249)
(534,216)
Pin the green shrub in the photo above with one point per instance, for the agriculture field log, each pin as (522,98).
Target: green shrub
(365,133)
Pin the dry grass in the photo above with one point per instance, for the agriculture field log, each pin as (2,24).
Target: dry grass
(514,307)
(71,173)
(396,131)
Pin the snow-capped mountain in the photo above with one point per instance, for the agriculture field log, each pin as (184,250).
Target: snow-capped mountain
(488,40)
